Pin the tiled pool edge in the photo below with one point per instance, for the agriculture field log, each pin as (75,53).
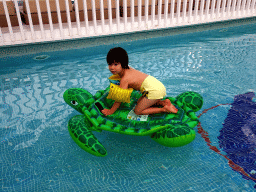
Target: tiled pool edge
(33,48)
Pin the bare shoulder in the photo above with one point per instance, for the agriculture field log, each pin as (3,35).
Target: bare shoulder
(137,73)
(132,74)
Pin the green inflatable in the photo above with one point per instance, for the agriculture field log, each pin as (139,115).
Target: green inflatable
(168,129)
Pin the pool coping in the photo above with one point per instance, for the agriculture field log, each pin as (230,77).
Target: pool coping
(33,48)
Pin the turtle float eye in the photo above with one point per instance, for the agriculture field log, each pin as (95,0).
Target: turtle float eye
(74,102)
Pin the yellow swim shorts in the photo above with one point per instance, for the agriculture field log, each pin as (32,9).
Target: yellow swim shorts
(152,88)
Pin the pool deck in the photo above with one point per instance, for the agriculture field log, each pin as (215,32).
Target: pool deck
(15,50)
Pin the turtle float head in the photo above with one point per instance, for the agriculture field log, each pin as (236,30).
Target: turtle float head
(77,98)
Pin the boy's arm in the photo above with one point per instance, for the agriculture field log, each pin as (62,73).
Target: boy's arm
(116,105)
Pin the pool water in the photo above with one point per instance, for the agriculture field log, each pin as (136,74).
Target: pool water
(38,154)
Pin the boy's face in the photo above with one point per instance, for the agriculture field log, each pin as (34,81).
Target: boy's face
(115,68)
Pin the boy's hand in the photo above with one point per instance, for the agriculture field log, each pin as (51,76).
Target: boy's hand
(107,112)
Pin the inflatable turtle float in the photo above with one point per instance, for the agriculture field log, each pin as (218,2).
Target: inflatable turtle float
(168,129)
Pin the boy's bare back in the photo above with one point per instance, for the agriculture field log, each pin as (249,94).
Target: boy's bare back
(133,77)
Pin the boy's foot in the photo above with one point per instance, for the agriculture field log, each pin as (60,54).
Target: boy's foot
(170,108)
(167,102)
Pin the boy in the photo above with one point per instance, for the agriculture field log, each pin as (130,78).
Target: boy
(152,89)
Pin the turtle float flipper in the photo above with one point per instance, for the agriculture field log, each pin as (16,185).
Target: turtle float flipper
(78,128)
(182,134)
(174,136)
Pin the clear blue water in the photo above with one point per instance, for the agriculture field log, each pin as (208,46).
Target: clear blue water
(37,153)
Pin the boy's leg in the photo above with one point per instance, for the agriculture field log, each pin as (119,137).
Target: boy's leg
(164,102)
(144,107)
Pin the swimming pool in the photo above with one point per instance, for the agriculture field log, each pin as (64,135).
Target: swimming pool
(37,153)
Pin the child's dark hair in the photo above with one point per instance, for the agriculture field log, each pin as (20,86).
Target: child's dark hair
(118,54)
